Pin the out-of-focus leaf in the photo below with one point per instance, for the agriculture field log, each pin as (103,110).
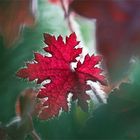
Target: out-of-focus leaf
(57,1)
(14,15)
(118,31)
(19,128)
(26,102)
(54,1)
(22,125)
(119,119)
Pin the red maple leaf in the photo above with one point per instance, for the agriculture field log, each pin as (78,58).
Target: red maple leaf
(63,78)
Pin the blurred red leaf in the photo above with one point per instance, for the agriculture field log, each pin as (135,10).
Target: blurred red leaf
(26,102)
(64,78)
(14,15)
(57,1)
(118,31)
(22,125)
(54,1)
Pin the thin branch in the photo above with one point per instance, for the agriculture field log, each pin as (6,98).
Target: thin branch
(67,15)
(34,135)
(97,95)
(64,8)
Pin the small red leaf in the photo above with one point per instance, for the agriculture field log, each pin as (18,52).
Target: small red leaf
(63,79)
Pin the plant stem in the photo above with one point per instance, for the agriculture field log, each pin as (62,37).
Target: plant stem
(66,14)
(35,135)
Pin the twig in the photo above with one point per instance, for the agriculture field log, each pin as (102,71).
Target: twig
(67,15)
(97,95)
(35,135)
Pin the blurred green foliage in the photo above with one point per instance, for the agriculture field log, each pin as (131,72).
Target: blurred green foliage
(119,119)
